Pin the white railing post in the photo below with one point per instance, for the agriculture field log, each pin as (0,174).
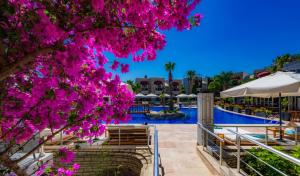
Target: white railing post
(205,104)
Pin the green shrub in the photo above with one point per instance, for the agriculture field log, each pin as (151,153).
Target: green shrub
(237,106)
(265,110)
(170,111)
(284,104)
(274,160)
(248,100)
(230,100)
(296,152)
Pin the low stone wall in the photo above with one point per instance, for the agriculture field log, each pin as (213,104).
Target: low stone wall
(110,162)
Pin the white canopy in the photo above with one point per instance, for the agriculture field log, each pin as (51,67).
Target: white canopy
(192,95)
(151,96)
(140,95)
(182,96)
(286,83)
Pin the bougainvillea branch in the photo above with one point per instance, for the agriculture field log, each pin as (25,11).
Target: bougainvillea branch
(53,70)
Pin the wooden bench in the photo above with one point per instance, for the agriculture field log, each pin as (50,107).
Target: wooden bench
(128,135)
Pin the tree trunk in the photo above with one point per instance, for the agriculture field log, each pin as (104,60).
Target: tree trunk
(171,91)
(14,67)
(190,86)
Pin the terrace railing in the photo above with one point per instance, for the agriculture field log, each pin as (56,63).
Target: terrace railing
(156,155)
(139,109)
(207,140)
(263,146)
(158,170)
(214,145)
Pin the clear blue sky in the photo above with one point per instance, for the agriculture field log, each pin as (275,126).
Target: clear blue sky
(235,35)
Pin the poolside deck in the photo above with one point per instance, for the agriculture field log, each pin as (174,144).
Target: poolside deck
(177,147)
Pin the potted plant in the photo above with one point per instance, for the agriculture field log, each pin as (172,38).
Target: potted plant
(237,108)
(248,101)
(222,105)
(285,114)
(261,112)
(229,107)
(268,112)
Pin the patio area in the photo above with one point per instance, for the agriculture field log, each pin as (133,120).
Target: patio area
(178,152)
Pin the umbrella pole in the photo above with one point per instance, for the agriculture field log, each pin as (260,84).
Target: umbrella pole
(280,119)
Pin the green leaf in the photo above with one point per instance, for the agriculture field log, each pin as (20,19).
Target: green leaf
(46,12)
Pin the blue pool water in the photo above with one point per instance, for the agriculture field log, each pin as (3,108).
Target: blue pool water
(220,117)
(191,117)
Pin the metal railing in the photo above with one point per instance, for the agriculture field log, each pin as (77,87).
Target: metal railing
(239,151)
(139,109)
(267,128)
(263,146)
(158,169)
(156,155)
(205,141)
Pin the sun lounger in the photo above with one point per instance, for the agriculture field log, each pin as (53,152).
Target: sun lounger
(290,133)
(128,135)
(230,138)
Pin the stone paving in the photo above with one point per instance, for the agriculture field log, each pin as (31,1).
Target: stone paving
(177,148)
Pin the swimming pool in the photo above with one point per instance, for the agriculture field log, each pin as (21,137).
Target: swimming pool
(220,117)
(225,117)
(191,117)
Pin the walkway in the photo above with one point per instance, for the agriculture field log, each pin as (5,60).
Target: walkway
(177,147)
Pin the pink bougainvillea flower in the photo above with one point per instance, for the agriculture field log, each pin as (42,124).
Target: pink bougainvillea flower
(66,156)
(115,65)
(198,18)
(124,68)
(76,167)
(98,5)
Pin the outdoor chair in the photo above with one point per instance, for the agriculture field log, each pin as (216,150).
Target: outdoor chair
(129,135)
(290,133)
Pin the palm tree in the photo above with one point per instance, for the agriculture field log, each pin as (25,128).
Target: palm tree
(279,62)
(170,66)
(136,87)
(214,86)
(190,75)
(225,79)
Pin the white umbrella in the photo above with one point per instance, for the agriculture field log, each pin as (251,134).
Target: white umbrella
(182,96)
(151,96)
(140,95)
(275,85)
(286,83)
(192,96)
